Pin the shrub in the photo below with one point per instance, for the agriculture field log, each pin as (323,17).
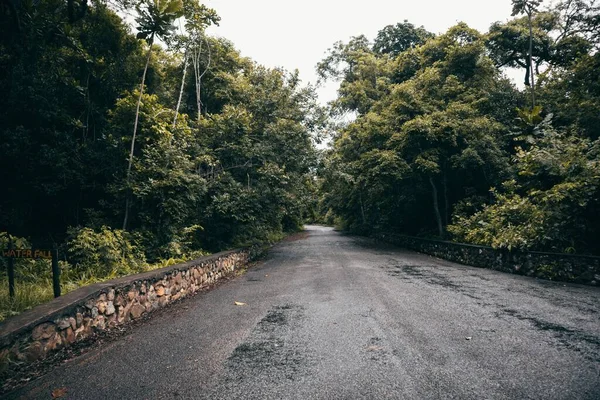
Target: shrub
(105,252)
(26,269)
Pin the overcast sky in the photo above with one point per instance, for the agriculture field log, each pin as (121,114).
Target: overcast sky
(297,34)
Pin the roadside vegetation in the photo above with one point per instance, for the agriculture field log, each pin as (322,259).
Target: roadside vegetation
(131,139)
(134,147)
(445,146)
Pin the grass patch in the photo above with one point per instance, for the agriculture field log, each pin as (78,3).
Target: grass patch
(31,293)
(31,290)
(27,295)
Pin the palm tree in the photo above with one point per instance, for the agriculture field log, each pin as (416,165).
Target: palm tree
(155,19)
(528,7)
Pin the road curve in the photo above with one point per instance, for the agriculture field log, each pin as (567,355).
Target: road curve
(329,316)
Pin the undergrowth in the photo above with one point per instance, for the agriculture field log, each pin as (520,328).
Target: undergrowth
(91,257)
(32,289)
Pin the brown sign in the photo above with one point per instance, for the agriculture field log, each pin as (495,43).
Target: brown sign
(27,253)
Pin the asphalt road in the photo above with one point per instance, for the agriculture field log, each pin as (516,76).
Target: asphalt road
(330,316)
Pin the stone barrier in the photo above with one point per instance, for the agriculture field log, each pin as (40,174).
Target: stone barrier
(85,312)
(554,266)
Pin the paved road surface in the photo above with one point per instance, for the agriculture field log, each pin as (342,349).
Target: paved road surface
(330,316)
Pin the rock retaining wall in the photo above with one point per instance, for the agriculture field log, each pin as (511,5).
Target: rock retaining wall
(554,266)
(83,313)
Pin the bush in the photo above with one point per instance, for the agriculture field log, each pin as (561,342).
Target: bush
(514,222)
(26,269)
(104,253)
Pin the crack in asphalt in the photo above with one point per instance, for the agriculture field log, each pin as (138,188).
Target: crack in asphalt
(569,338)
(271,349)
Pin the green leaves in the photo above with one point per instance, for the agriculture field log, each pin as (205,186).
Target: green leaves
(421,139)
(396,39)
(156,17)
(525,6)
(104,252)
(529,118)
(263,153)
(550,206)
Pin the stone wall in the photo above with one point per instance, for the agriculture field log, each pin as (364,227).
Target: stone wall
(554,266)
(82,314)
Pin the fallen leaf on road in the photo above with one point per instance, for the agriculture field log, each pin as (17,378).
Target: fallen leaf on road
(239,303)
(58,393)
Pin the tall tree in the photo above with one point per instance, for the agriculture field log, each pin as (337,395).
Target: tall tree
(396,39)
(200,69)
(155,19)
(424,141)
(363,74)
(528,7)
(197,18)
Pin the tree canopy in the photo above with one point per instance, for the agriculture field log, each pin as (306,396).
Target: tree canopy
(97,114)
(443,145)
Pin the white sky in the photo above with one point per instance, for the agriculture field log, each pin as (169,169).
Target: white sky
(297,34)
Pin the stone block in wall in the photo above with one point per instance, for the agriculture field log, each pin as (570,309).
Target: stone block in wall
(43,331)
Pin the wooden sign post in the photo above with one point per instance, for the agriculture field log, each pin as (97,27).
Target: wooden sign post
(11,273)
(55,273)
(12,253)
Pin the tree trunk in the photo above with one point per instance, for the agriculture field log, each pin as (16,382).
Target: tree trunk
(362,209)
(197,78)
(197,52)
(198,94)
(126,217)
(135,125)
(436,208)
(446,203)
(531,72)
(86,130)
(185,65)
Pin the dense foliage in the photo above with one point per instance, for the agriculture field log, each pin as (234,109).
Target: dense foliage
(127,145)
(443,145)
(90,132)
